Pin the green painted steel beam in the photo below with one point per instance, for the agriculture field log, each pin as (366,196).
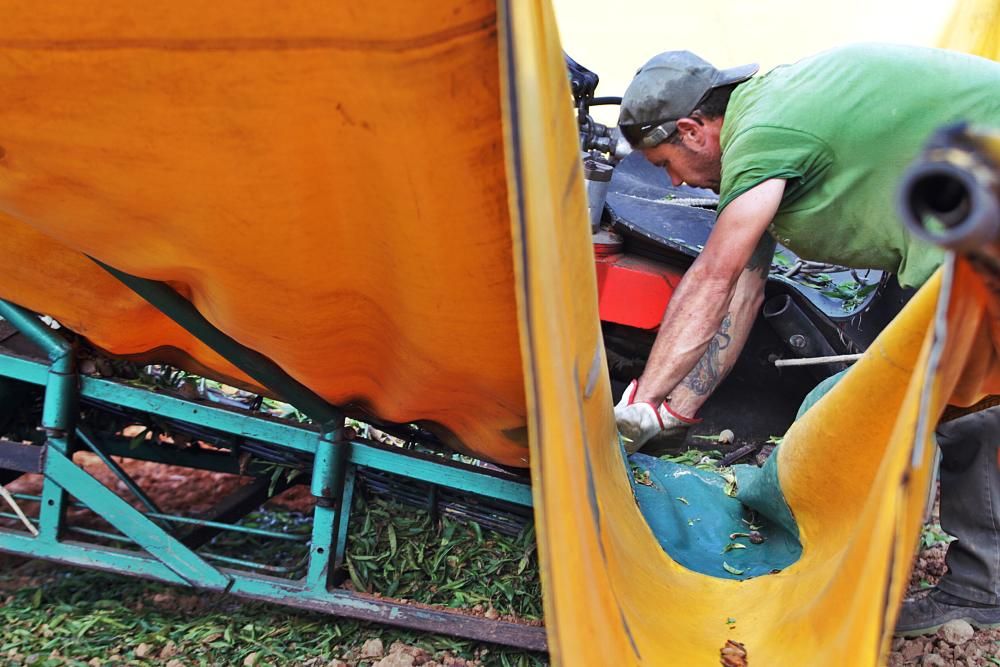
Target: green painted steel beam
(228,420)
(462,479)
(25,370)
(366,608)
(59,411)
(52,513)
(346,500)
(84,436)
(289,593)
(299,438)
(321,550)
(132,523)
(107,559)
(28,323)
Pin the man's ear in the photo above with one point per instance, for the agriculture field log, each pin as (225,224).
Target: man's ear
(690,130)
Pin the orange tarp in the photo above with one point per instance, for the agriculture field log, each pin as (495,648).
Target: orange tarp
(325,182)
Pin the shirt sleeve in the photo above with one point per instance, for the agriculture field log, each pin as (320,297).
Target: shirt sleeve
(761,153)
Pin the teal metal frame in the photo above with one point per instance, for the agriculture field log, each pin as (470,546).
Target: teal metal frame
(160,554)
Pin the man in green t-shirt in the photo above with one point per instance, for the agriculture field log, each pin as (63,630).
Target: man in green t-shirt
(811,154)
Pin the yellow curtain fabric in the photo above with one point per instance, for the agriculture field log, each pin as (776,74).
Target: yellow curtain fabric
(855,470)
(974,28)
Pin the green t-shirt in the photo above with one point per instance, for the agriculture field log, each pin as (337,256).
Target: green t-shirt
(841,127)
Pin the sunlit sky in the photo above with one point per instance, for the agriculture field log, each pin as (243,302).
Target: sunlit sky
(614,39)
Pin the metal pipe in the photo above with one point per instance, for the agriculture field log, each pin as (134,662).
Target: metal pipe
(217,558)
(814,361)
(61,386)
(951,195)
(117,470)
(59,409)
(28,323)
(597,176)
(176,518)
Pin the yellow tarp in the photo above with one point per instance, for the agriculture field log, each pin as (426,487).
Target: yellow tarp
(974,28)
(848,469)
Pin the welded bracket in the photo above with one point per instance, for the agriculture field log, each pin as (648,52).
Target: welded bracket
(329,473)
(133,523)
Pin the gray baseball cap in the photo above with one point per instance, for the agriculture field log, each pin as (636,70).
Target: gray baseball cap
(668,87)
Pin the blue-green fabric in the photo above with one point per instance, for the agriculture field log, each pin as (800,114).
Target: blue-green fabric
(841,127)
(818,392)
(695,520)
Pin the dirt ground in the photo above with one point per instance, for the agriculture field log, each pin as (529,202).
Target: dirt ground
(981,649)
(181,489)
(947,647)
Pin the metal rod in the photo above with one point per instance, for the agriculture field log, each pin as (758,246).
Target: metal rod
(225,514)
(173,518)
(815,361)
(18,511)
(119,472)
(249,565)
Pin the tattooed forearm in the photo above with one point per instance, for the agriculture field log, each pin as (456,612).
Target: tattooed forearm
(707,373)
(760,260)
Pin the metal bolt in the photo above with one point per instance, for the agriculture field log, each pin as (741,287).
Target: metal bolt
(798,341)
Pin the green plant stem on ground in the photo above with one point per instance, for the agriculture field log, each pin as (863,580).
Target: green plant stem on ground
(91,618)
(82,616)
(402,552)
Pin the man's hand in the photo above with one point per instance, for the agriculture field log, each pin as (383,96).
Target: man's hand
(639,422)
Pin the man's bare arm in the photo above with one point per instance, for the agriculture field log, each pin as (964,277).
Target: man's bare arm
(704,297)
(725,347)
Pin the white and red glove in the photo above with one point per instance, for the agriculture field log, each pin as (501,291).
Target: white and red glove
(638,422)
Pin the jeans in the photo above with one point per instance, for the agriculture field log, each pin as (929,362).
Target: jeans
(970,505)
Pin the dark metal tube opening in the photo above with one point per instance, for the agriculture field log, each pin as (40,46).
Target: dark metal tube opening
(939,195)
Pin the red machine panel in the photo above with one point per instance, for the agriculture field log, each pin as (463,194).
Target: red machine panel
(634,291)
